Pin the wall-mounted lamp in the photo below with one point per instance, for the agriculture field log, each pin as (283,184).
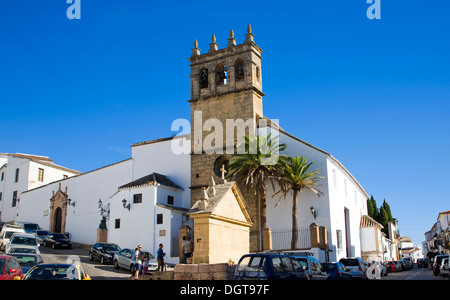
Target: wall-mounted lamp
(124,202)
(313,211)
(70,202)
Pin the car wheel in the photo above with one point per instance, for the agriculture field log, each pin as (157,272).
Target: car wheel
(116,264)
(53,246)
(102,260)
(132,269)
(91,257)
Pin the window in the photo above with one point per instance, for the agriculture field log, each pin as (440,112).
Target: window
(339,239)
(137,198)
(3,176)
(334,179)
(14,199)
(117,224)
(239,69)
(41,175)
(222,74)
(170,200)
(17,176)
(204,78)
(1,196)
(159,218)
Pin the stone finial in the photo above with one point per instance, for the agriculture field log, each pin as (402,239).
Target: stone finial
(195,50)
(231,40)
(249,36)
(211,190)
(203,202)
(213,46)
(223,170)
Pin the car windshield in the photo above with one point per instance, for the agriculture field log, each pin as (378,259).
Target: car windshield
(350,262)
(59,236)
(60,272)
(31,226)
(329,266)
(26,261)
(22,250)
(111,247)
(252,264)
(42,232)
(22,240)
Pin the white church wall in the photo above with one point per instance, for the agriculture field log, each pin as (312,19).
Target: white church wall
(85,191)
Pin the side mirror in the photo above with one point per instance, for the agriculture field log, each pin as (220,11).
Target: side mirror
(12,271)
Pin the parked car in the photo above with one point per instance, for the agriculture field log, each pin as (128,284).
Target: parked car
(422,262)
(269,266)
(27,261)
(10,268)
(437,263)
(22,239)
(56,272)
(312,267)
(409,263)
(29,227)
(41,234)
(444,268)
(336,271)
(57,240)
(6,233)
(124,259)
(399,265)
(104,252)
(356,266)
(390,266)
(378,265)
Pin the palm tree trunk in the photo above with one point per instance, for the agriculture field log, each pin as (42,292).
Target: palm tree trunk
(294,220)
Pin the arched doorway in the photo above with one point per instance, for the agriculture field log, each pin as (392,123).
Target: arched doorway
(57,220)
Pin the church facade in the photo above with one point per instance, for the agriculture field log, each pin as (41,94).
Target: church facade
(147,198)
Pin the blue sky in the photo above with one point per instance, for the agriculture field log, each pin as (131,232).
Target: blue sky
(373,93)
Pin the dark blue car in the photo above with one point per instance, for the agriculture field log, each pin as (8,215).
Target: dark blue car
(336,271)
(269,266)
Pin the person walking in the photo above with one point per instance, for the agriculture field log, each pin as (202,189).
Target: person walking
(137,259)
(160,258)
(187,248)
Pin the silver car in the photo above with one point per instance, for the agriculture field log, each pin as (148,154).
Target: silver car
(124,259)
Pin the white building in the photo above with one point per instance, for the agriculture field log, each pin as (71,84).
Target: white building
(22,172)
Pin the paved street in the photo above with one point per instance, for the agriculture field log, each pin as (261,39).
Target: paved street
(414,274)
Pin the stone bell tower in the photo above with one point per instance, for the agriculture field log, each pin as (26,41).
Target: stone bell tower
(226,84)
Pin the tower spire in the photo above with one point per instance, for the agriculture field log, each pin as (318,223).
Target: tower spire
(231,40)
(213,46)
(249,36)
(195,50)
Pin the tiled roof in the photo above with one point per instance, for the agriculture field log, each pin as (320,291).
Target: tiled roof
(367,221)
(152,179)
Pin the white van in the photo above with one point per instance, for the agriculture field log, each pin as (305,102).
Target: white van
(6,233)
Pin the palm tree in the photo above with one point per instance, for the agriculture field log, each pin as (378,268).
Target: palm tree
(296,178)
(258,164)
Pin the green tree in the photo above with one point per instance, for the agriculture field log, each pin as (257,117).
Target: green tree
(387,208)
(296,178)
(258,165)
